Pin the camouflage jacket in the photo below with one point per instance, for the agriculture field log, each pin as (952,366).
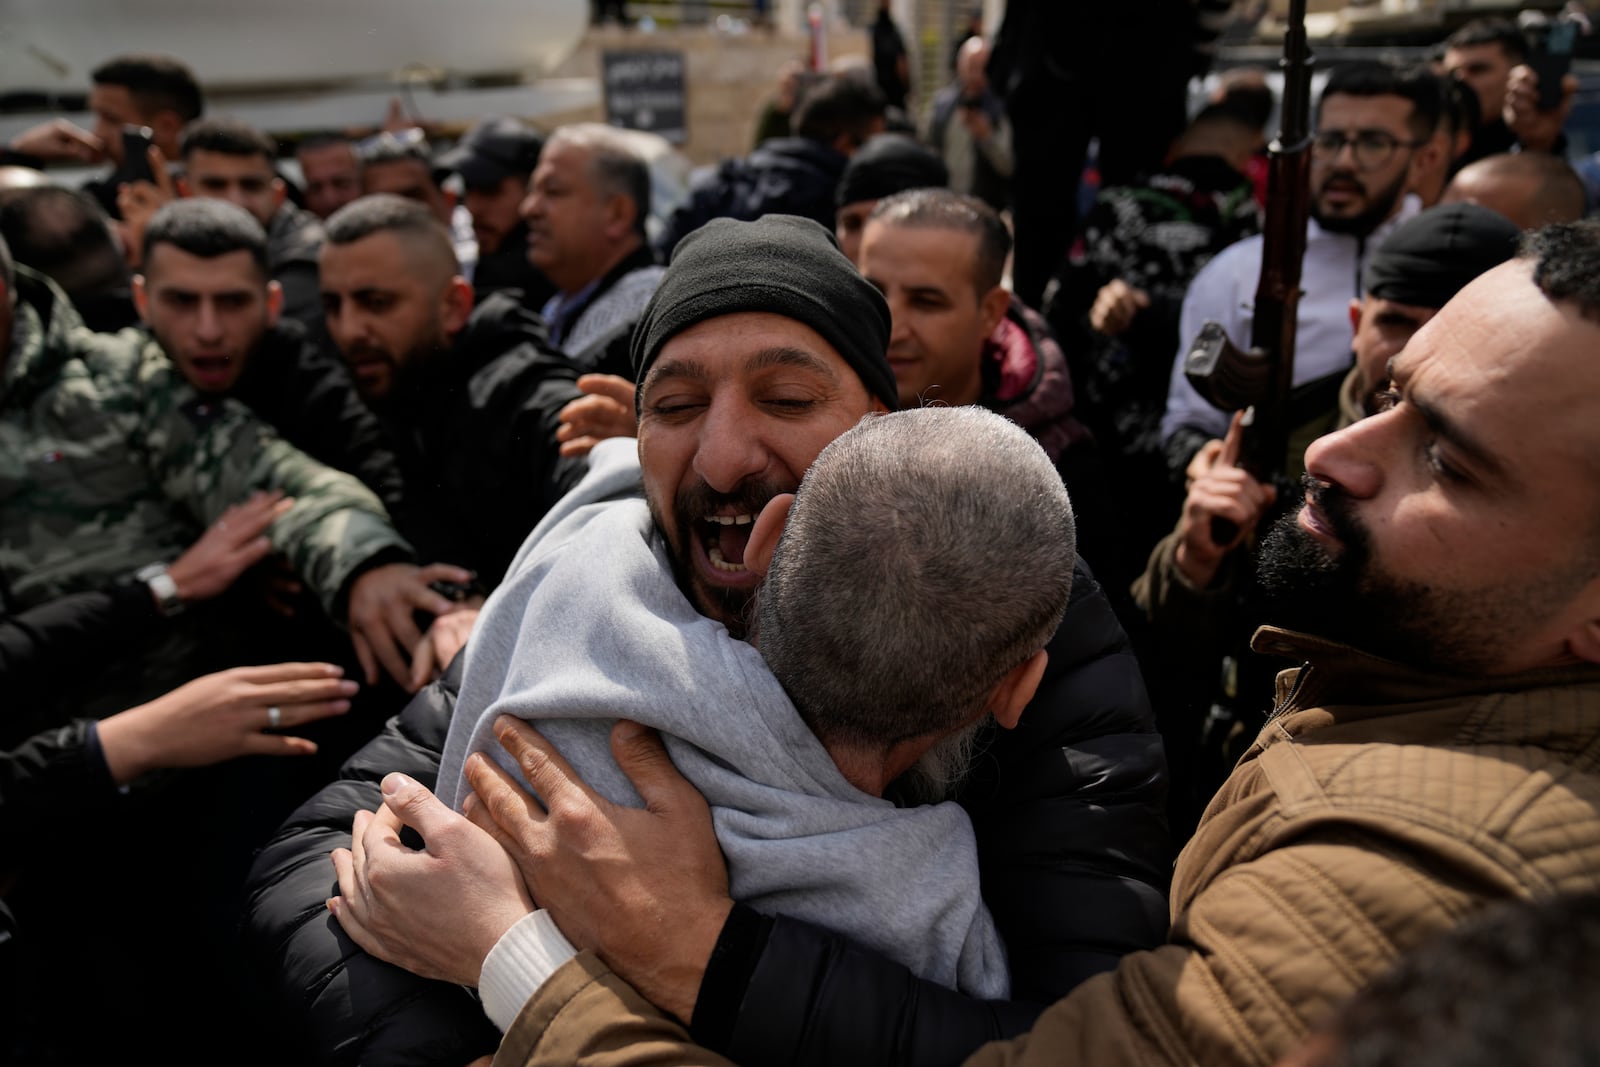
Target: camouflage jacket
(109,461)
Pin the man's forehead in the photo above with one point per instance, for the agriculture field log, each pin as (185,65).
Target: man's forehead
(1342,110)
(203,161)
(170,266)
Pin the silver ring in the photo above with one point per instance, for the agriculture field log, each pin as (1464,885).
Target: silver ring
(274,717)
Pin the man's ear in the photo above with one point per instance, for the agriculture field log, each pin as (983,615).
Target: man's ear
(1014,690)
(280,193)
(620,211)
(1585,643)
(1427,156)
(182,185)
(765,533)
(1584,640)
(993,307)
(1355,316)
(274,303)
(457,298)
(141,298)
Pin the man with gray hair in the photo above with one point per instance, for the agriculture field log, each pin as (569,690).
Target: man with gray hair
(926,561)
(586,208)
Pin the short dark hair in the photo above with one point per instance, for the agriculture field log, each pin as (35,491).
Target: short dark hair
(1566,264)
(156,83)
(945,209)
(846,104)
(227,136)
(1421,86)
(208,228)
(1246,103)
(386,213)
(1462,108)
(1500,31)
(61,233)
(313,141)
(1499,988)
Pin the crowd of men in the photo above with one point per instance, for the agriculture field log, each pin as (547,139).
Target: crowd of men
(452,609)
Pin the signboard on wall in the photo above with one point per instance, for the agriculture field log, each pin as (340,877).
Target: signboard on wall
(644,90)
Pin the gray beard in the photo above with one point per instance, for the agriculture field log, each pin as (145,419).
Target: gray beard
(938,771)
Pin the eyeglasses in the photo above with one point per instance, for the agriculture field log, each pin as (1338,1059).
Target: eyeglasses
(1371,148)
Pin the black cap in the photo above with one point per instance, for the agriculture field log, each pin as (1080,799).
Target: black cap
(890,163)
(1430,258)
(781,264)
(492,151)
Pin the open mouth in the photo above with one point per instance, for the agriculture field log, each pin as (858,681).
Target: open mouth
(210,370)
(724,538)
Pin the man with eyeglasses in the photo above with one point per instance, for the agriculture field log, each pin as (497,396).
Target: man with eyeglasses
(1373,137)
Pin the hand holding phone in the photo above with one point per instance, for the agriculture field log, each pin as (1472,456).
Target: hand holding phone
(136,155)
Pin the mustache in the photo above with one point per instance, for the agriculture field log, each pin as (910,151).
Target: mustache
(696,501)
(1337,510)
(365,351)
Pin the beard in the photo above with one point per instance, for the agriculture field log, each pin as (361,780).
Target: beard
(939,772)
(734,608)
(411,372)
(1350,598)
(1380,205)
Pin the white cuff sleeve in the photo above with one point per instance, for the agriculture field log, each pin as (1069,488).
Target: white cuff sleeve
(518,965)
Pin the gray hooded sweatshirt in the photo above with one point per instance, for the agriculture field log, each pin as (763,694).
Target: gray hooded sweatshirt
(589,626)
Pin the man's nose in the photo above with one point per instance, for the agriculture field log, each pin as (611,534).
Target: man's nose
(1351,458)
(530,206)
(209,323)
(730,448)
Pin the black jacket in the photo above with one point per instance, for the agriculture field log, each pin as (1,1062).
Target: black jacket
(786,176)
(475,433)
(1072,848)
(507,267)
(307,396)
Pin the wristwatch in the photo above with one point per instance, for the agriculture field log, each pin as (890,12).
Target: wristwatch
(163,588)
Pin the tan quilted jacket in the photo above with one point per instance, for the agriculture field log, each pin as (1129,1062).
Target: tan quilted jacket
(1378,807)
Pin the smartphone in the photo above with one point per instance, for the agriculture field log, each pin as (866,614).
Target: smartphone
(136,155)
(1550,57)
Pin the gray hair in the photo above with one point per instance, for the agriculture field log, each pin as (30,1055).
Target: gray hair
(617,169)
(928,553)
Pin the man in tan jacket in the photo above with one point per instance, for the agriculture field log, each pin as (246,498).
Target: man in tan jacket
(1450,762)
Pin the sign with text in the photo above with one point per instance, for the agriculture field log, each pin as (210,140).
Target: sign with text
(645,91)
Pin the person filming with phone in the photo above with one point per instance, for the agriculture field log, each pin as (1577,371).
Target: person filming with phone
(138,101)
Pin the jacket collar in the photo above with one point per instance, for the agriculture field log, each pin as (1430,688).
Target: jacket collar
(1337,674)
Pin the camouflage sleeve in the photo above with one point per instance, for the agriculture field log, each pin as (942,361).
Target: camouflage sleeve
(208,454)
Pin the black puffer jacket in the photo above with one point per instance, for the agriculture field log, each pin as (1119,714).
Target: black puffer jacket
(475,433)
(337,1004)
(786,176)
(1068,810)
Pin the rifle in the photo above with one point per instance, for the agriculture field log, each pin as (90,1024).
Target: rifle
(1260,378)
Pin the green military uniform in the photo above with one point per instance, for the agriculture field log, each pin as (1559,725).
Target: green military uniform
(109,461)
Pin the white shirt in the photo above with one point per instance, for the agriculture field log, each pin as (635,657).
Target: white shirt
(1224,291)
